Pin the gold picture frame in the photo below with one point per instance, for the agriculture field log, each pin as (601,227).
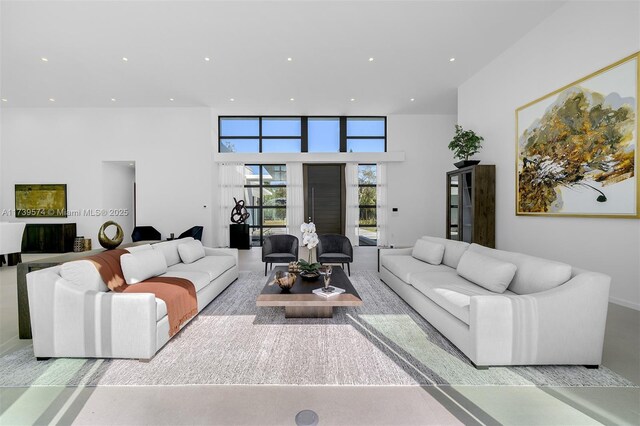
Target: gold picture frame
(41,200)
(577,147)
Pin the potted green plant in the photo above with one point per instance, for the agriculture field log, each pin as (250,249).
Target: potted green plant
(464,144)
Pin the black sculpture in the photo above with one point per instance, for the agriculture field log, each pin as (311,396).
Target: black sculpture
(239,214)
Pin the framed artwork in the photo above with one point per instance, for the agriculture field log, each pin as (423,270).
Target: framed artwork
(35,200)
(577,148)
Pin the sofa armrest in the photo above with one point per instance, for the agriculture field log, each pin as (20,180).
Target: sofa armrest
(222,252)
(563,325)
(71,322)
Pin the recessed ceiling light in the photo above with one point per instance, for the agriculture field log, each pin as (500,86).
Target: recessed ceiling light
(43,59)
(131,164)
(125,59)
(231,99)
(113,99)
(412,99)
(370,59)
(4,99)
(452,59)
(51,100)
(171,99)
(206,58)
(291,99)
(289,59)
(352,99)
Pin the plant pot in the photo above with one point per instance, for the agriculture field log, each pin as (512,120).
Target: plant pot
(466,163)
(310,276)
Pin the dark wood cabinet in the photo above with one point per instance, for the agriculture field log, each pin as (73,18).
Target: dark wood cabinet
(471,211)
(48,237)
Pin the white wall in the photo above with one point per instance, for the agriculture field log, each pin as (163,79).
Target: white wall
(118,179)
(580,38)
(417,186)
(171,147)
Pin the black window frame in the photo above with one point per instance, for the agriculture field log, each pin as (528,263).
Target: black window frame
(261,207)
(367,206)
(304,132)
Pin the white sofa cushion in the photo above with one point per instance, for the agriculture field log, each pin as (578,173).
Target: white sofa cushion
(450,291)
(141,247)
(428,251)
(199,279)
(534,274)
(212,265)
(191,251)
(170,249)
(453,250)
(404,266)
(142,265)
(488,272)
(83,274)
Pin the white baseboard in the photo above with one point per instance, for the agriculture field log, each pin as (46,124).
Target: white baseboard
(625,303)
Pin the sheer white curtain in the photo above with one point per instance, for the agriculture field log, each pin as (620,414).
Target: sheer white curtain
(295,199)
(230,185)
(382,209)
(352,214)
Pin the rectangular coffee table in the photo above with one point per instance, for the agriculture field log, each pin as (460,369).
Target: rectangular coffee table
(300,302)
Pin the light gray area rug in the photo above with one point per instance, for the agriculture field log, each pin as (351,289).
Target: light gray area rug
(383,342)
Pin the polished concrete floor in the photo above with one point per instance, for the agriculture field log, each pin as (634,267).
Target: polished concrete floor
(335,405)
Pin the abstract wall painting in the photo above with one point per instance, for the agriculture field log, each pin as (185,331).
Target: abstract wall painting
(577,148)
(46,200)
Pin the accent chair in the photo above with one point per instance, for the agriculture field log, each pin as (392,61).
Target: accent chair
(335,248)
(145,233)
(279,249)
(195,233)
(11,242)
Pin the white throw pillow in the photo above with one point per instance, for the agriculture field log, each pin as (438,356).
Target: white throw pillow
(84,274)
(191,251)
(170,250)
(492,274)
(428,251)
(142,265)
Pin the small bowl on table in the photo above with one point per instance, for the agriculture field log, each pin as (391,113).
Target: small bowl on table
(285,280)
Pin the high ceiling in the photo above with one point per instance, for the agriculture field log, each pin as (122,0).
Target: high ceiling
(248,44)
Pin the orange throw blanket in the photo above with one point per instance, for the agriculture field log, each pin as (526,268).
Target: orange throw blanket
(179,294)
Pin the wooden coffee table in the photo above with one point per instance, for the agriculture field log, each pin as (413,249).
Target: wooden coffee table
(300,302)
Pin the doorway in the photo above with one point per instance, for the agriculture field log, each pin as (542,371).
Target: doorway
(324,197)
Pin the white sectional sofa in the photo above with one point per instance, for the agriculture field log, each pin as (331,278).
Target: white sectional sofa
(73,313)
(550,312)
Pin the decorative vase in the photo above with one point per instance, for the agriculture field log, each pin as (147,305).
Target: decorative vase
(110,243)
(466,163)
(285,280)
(78,244)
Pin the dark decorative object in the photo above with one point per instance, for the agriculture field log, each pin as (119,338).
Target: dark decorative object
(464,144)
(78,244)
(195,233)
(110,243)
(310,275)
(335,248)
(239,214)
(466,163)
(145,233)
